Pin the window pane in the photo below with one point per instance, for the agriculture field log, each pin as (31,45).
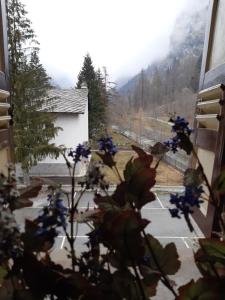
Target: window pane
(217,56)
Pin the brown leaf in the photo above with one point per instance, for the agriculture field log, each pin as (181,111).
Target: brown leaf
(32,190)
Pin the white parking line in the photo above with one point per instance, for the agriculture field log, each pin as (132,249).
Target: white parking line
(92,207)
(185,243)
(183,238)
(77,236)
(63,241)
(155,208)
(160,201)
(179,237)
(156,236)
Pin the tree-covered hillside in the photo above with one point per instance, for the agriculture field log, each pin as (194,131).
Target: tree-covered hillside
(163,85)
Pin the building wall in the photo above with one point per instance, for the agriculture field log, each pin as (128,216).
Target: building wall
(75,131)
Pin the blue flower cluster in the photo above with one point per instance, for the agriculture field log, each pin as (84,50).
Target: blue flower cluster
(186,201)
(173,143)
(181,126)
(106,144)
(181,129)
(54,215)
(81,151)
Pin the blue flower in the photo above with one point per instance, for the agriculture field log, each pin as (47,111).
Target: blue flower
(181,126)
(54,215)
(182,131)
(82,151)
(106,144)
(174,213)
(184,202)
(173,144)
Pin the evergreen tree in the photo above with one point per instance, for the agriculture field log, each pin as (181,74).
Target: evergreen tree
(96,96)
(29,84)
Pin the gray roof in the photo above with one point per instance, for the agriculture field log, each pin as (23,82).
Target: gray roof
(66,101)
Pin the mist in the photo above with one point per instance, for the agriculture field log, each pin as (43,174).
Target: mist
(124,36)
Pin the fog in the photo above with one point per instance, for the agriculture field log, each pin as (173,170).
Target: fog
(124,36)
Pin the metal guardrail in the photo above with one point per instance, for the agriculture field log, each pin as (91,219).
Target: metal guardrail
(178,160)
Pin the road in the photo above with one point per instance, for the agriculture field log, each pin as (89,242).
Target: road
(162,226)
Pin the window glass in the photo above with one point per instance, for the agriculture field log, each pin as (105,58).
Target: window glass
(217,55)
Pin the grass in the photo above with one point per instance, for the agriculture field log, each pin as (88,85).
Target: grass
(121,141)
(166,175)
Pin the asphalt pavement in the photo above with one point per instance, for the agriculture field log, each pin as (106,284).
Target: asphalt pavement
(162,226)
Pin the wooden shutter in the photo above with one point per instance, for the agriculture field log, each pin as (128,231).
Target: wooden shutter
(210,109)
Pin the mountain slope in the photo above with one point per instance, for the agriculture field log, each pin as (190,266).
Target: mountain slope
(162,82)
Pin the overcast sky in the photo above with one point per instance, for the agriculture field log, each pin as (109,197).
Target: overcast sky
(123,35)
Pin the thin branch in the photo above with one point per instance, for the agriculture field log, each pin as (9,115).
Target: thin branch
(164,280)
(118,173)
(137,276)
(158,162)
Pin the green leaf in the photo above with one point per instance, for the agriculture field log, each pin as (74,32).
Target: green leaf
(202,289)
(139,179)
(3,273)
(120,195)
(142,181)
(121,230)
(158,149)
(219,184)
(125,285)
(167,257)
(128,171)
(193,177)
(211,257)
(150,283)
(141,199)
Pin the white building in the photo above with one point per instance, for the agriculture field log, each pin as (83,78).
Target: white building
(70,108)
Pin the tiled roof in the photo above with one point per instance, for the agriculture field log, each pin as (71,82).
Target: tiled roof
(66,101)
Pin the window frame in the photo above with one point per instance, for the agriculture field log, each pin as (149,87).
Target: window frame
(4,80)
(216,75)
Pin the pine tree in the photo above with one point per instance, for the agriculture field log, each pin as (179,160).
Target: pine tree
(29,84)
(96,96)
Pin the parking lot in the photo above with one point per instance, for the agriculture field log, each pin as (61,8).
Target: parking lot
(162,226)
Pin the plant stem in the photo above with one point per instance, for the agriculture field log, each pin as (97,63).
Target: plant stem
(138,279)
(158,162)
(118,173)
(78,200)
(165,280)
(72,217)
